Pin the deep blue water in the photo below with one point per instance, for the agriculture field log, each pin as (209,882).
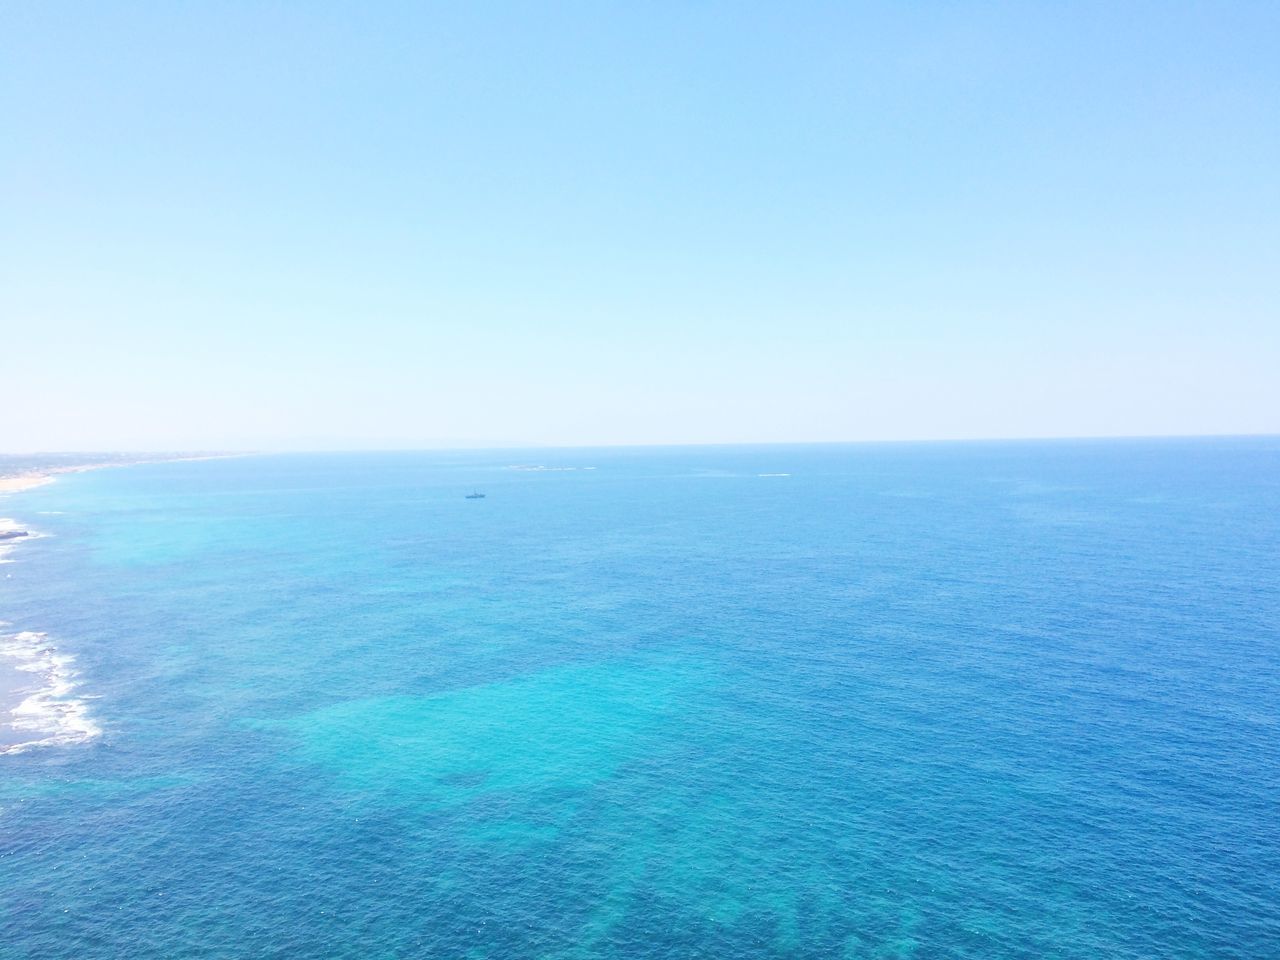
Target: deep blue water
(950,700)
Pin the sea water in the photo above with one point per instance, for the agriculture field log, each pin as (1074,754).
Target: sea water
(948,700)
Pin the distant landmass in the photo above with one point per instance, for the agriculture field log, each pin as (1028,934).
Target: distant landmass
(23,471)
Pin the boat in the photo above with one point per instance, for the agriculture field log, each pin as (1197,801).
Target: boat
(475,495)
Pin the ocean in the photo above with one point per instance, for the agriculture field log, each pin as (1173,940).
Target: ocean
(972,700)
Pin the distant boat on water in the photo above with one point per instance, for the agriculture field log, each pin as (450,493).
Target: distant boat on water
(475,495)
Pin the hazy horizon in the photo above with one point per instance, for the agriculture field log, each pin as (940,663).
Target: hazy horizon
(462,447)
(237,227)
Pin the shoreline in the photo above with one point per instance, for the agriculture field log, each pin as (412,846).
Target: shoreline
(16,484)
(44,710)
(40,476)
(40,700)
(39,704)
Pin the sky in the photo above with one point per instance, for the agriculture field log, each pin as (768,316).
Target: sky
(287,225)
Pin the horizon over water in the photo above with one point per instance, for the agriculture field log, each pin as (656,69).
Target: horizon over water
(1002,699)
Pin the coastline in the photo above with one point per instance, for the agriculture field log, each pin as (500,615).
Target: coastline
(38,684)
(30,478)
(40,703)
(20,482)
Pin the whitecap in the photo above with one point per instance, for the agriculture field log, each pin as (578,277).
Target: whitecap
(48,714)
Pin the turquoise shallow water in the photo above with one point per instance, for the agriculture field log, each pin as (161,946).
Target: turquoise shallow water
(971,700)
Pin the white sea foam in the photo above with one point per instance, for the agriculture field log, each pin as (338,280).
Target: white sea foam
(46,712)
(49,714)
(773,474)
(6,546)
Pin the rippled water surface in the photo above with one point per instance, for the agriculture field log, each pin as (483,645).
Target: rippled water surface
(961,701)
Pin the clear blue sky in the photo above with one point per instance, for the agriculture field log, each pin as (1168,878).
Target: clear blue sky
(310,225)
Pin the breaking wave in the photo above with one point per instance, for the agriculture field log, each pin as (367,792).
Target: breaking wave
(47,712)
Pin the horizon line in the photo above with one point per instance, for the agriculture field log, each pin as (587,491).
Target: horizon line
(460,447)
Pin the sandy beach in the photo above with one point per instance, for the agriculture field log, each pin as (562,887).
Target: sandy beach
(26,481)
(37,476)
